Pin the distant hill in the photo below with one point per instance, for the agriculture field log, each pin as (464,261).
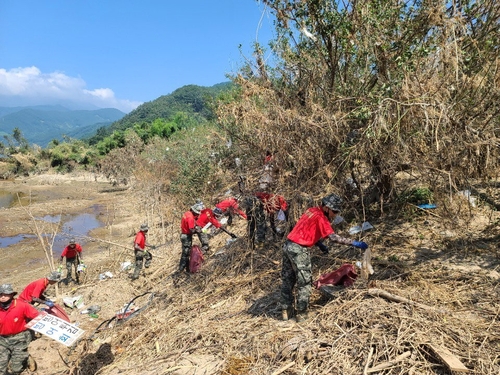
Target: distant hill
(41,124)
(191,99)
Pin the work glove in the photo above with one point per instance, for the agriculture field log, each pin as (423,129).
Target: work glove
(49,303)
(323,248)
(360,244)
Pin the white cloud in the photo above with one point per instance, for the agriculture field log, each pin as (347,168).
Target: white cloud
(29,86)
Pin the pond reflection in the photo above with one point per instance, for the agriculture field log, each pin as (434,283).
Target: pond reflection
(77,227)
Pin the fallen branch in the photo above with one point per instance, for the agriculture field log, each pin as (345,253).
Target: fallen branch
(384,365)
(108,242)
(394,298)
(368,360)
(283,369)
(92,239)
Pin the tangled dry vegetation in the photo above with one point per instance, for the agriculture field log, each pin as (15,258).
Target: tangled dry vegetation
(384,98)
(363,92)
(224,320)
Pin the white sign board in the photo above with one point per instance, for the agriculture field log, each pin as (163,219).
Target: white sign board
(55,328)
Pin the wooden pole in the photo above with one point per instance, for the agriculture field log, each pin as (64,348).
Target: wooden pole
(110,243)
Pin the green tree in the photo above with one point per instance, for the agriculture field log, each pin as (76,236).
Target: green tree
(19,138)
(361,90)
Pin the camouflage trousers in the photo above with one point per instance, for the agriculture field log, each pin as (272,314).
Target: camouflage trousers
(70,264)
(256,224)
(140,256)
(295,271)
(14,348)
(203,237)
(187,243)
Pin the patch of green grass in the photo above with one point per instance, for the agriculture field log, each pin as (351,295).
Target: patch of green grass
(418,195)
(393,258)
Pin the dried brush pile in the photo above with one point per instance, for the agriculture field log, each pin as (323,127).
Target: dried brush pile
(368,100)
(360,92)
(224,320)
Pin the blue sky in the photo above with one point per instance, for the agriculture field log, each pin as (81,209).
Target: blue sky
(121,53)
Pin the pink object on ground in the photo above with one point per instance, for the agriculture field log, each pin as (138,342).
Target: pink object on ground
(195,259)
(345,276)
(58,311)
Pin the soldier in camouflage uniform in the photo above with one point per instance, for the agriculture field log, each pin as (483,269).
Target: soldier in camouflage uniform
(256,224)
(256,214)
(142,255)
(312,226)
(14,337)
(188,228)
(73,255)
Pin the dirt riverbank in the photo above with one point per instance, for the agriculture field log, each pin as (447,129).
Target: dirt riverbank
(67,196)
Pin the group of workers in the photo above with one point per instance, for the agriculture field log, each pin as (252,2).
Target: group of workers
(310,230)
(16,312)
(312,227)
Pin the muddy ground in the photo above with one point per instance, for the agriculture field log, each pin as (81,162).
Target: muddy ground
(26,261)
(460,276)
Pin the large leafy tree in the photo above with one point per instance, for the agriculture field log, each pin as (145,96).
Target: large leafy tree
(363,89)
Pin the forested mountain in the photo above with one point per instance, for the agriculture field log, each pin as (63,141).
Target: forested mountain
(41,124)
(190,99)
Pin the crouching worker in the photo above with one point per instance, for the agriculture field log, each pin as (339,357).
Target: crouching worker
(14,337)
(312,226)
(206,219)
(141,254)
(228,208)
(188,228)
(33,293)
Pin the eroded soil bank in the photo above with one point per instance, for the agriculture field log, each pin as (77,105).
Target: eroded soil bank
(64,196)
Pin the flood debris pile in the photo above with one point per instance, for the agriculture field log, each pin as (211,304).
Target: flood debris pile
(415,317)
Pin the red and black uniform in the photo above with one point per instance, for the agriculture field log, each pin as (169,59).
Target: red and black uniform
(188,228)
(14,337)
(141,255)
(73,254)
(229,207)
(207,216)
(188,223)
(271,204)
(34,291)
(140,240)
(312,226)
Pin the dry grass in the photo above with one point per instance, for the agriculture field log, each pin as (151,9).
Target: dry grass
(225,319)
